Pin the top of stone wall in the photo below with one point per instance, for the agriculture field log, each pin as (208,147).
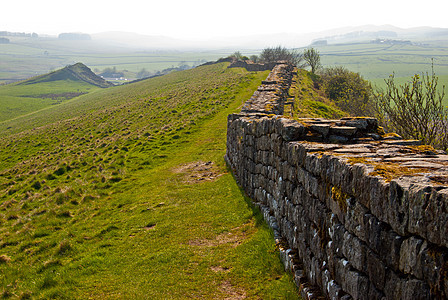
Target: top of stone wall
(271,95)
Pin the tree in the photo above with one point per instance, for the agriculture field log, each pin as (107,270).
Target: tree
(415,110)
(254,58)
(349,91)
(279,53)
(143,73)
(312,58)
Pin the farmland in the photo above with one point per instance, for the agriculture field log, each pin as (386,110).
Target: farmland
(27,57)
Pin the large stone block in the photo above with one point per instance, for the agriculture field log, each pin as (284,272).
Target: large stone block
(389,248)
(354,251)
(410,254)
(436,217)
(376,269)
(291,130)
(397,206)
(355,220)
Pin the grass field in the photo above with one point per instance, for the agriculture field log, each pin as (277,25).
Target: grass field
(379,61)
(124,193)
(376,62)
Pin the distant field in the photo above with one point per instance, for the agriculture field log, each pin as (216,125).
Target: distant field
(377,62)
(24,58)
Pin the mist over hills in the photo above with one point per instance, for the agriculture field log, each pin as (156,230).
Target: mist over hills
(129,40)
(259,41)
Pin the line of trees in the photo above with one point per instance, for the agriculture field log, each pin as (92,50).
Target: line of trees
(310,57)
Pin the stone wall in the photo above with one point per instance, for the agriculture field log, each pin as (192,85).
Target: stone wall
(357,214)
(251,66)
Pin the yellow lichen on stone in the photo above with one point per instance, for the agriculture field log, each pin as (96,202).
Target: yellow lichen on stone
(340,197)
(391,171)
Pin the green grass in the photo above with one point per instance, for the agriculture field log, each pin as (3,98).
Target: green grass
(96,201)
(17,100)
(311,101)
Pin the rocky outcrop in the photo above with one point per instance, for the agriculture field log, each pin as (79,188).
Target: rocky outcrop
(358,214)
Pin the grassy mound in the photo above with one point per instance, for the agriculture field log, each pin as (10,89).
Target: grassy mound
(124,193)
(77,72)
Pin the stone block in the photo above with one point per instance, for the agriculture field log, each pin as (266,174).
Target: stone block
(376,270)
(415,289)
(354,251)
(397,206)
(355,220)
(409,256)
(389,248)
(345,131)
(337,139)
(313,164)
(436,217)
(322,129)
(291,130)
(375,294)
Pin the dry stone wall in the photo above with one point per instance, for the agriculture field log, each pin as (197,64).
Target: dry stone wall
(357,214)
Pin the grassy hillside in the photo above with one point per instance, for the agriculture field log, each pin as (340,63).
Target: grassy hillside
(310,101)
(124,193)
(27,96)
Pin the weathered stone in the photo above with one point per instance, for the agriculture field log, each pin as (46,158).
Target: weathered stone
(337,139)
(376,270)
(346,131)
(291,131)
(321,129)
(397,207)
(404,142)
(353,250)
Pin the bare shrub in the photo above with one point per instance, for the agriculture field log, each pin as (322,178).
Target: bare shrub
(414,110)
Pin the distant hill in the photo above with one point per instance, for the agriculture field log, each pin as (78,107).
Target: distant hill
(76,72)
(74,36)
(372,32)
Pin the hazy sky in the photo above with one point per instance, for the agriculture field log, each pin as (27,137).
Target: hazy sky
(207,18)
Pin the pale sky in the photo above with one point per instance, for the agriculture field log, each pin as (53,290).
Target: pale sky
(202,19)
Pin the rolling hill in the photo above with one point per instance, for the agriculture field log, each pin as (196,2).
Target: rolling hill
(124,193)
(46,90)
(77,73)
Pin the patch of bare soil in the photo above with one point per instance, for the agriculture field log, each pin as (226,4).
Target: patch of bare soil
(219,269)
(198,171)
(234,237)
(232,292)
